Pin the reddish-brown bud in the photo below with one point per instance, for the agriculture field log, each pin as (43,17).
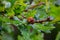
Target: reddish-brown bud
(30,20)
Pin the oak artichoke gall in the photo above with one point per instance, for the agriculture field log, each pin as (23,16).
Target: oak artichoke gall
(30,20)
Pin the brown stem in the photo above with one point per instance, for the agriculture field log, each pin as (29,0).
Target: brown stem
(41,3)
(16,31)
(41,21)
(31,7)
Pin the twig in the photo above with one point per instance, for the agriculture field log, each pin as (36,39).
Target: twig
(41,21)
(16,31)
(32,7)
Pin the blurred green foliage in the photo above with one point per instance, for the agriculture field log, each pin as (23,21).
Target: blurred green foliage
(13,19)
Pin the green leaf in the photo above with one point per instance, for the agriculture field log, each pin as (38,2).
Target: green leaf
(7,37)
(54,11)
(31,13)
(58,36)
(40,27)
